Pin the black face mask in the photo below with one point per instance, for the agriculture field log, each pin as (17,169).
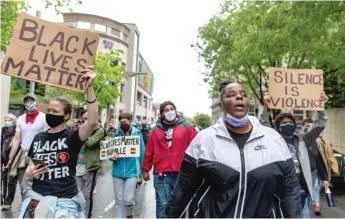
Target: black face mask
(54,120)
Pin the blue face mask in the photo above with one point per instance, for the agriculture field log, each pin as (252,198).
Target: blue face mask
(287,129)
(8,124)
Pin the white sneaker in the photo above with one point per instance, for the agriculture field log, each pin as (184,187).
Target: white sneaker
(5,207)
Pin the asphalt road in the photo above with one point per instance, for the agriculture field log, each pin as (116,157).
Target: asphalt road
(145,202)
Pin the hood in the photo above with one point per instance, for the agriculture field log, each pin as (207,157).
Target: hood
(222,131)
(180,120)
(134,124)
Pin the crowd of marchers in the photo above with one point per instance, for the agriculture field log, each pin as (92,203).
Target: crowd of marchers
(239,167)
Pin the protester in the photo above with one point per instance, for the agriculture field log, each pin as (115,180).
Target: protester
(145,131)
(195,128)
(111,130)
(235,168)
(331,164)
(125,171)
(88,164)
(9,183)
(299,146)
(165,148)
(54,155)
(28,125)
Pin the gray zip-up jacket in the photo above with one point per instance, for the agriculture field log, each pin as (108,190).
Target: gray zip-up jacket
(301,141)
(220,180)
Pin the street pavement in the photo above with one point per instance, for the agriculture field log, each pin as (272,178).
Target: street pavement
(145,201)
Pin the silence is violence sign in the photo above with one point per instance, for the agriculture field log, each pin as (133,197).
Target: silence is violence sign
(49,53)
(295,89)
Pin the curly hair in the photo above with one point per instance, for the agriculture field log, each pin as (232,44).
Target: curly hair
(281,116)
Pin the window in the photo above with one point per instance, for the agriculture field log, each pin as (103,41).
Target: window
(124,37)
(145,101)
(83,25)
(115,32)
(139,98)
(140,66)
(100,28)
(122,88)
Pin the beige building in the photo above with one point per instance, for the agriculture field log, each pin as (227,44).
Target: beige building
(126,37)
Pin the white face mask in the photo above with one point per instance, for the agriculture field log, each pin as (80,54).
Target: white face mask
(30,106)
(170,116)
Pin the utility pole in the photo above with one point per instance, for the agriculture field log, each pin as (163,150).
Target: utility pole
(32,84)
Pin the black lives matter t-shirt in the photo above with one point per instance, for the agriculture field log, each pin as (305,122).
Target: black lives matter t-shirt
(59,151)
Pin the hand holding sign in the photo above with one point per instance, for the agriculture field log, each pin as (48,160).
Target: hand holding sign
(267,98)
(89,75)
(115,156)
(323,98)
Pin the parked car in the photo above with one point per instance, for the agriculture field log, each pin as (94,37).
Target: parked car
(339,178)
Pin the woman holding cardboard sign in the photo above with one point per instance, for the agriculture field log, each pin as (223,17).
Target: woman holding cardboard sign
(54,154)
(298,145)
(125,171)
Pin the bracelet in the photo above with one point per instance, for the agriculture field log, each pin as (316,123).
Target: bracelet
(90,102)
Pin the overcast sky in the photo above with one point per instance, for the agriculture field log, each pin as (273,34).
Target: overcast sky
(167,28)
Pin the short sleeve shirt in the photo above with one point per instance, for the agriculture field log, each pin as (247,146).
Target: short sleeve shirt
(59,151)
(29,130)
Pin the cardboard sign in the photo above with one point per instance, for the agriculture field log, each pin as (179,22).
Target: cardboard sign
(295,89)
(49,53)
(124,146)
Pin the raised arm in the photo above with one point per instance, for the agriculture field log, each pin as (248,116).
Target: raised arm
(92,107)
(318,126)
(265,116)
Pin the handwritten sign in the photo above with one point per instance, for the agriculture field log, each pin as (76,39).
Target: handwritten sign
(124,146)
(294,89)
(49,53)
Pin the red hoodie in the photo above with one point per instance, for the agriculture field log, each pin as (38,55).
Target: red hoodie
(163,157)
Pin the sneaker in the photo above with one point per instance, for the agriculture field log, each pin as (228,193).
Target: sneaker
(317,210)
(6,207)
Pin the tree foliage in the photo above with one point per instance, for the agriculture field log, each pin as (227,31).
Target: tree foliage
(247,37)
(106,85)
(202,120)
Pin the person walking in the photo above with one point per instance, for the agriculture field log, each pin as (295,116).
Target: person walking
(54,153)
(164,150)
(235,168)
(9,183)
(28,125)
(300,146)
(125,171)
(88,164)
(330,162)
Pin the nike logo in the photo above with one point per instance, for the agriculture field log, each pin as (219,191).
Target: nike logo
(260,147)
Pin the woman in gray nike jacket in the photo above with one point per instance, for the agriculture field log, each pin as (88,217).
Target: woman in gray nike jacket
(235,168)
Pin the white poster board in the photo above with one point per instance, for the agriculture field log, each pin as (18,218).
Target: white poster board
(124,146)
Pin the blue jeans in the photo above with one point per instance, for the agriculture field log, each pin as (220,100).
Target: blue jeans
(164,185)
(316,187)
(306,212)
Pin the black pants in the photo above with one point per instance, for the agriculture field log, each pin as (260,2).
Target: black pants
(8,187)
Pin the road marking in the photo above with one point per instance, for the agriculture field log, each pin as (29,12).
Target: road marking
(106,209)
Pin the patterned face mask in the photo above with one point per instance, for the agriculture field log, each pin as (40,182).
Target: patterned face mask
(30,106)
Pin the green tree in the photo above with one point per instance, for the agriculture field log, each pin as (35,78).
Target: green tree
(247,37)
(108,79)
(202,120)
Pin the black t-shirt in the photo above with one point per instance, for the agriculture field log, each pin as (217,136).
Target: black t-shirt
(59,151)
(240,139)
(294,153)
(168,132)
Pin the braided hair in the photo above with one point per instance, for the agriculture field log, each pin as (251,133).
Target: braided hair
(222,88)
